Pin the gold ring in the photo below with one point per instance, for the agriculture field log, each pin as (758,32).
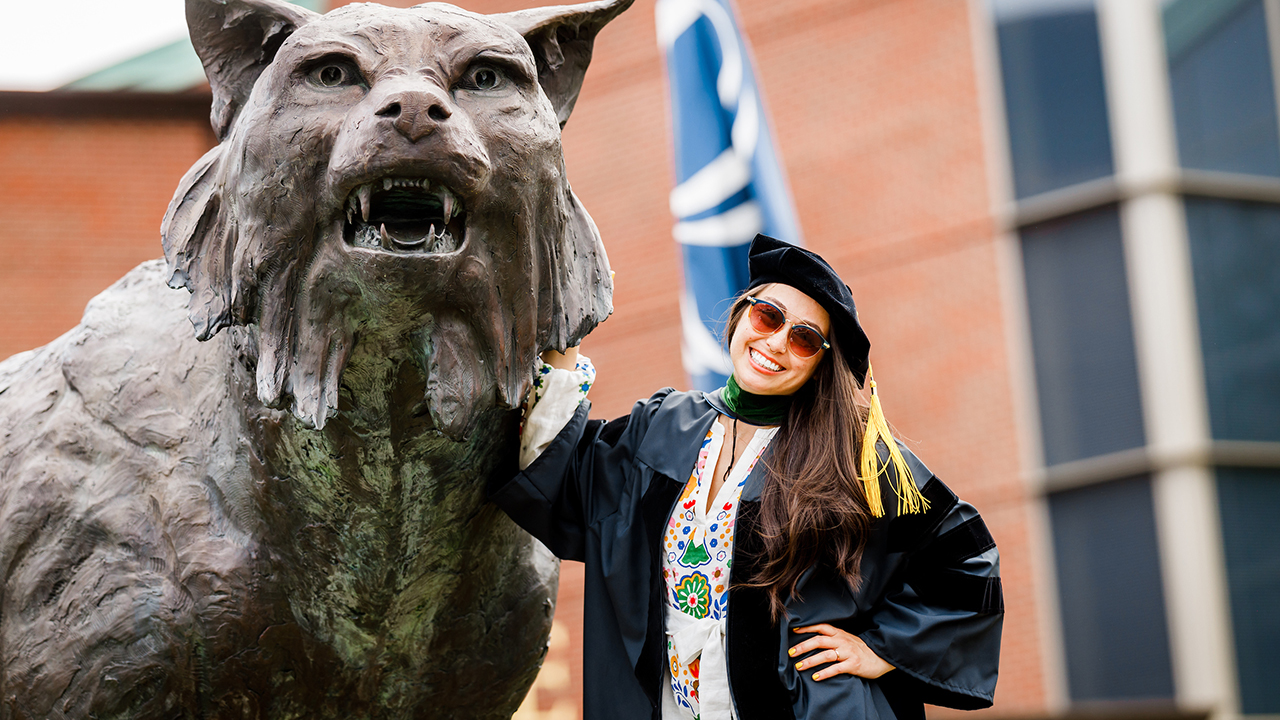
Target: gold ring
(837,654)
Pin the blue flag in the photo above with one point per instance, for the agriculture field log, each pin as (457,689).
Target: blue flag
(729,183)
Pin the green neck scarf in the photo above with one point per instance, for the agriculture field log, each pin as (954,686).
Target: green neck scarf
(755,409)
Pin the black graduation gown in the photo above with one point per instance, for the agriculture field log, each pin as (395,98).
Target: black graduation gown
(929,603)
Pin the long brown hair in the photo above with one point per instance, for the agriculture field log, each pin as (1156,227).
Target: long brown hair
(812,509)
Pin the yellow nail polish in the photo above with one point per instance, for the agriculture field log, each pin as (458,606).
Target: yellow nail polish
(800,665)
(792,652)
(815,676)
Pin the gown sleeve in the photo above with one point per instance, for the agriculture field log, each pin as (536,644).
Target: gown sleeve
(585,473)
(940,627)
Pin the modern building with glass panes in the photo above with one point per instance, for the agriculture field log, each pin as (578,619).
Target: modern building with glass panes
(1143,157)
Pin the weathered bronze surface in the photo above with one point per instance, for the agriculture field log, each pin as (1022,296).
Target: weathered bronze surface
(281,515)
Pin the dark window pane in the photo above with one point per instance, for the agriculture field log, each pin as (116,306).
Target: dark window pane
(1235,253)
(1113,618)
(1250,501)
(1082,336)
(1054,97)
(1224,102)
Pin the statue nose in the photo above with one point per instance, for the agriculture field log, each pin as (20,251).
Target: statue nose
(416,113)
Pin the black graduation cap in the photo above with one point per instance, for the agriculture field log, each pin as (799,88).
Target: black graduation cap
(773,261)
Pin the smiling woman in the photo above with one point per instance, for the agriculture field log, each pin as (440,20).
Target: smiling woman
(740,560)
(765,359)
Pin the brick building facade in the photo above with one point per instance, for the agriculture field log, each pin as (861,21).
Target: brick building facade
(85,181)
(890,117)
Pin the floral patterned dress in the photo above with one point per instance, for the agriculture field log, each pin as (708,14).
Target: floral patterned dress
(698,546)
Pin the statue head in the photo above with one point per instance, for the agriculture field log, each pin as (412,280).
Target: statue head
(391,173)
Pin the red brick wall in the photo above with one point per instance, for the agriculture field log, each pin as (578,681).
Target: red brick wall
(83,200)
(875,110)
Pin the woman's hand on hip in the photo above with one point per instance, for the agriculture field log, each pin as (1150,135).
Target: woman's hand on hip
(837,652)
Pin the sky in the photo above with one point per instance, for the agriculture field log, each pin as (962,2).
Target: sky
(47,43)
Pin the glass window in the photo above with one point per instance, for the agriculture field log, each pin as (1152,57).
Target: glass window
(1248,499)
(1235,253)
(1082,336)
(1113,619)
(1224,101)
(1054,96)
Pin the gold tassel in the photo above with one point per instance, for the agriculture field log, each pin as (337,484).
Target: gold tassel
(909,498)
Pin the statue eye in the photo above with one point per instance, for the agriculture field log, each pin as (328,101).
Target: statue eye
(333,74)
(483,77)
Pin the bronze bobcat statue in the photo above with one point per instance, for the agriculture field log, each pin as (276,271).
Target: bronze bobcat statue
(281,515)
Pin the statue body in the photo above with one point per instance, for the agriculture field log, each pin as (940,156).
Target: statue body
(217,558)
(281,514)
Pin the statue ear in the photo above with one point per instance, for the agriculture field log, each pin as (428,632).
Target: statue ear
(236,40)
(561,38)
(196,235)
(577,284)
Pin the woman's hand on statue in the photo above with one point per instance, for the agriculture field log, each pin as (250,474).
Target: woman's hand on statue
(562,360)
(838,652)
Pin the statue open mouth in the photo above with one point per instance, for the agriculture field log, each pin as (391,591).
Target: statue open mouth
(405,215)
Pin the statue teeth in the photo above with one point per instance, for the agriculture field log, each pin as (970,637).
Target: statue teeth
(363,193)
(442,242)
(452,206)
(448,201)
(386,237)
(360,200)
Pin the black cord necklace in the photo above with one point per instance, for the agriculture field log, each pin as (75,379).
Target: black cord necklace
(733,452)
